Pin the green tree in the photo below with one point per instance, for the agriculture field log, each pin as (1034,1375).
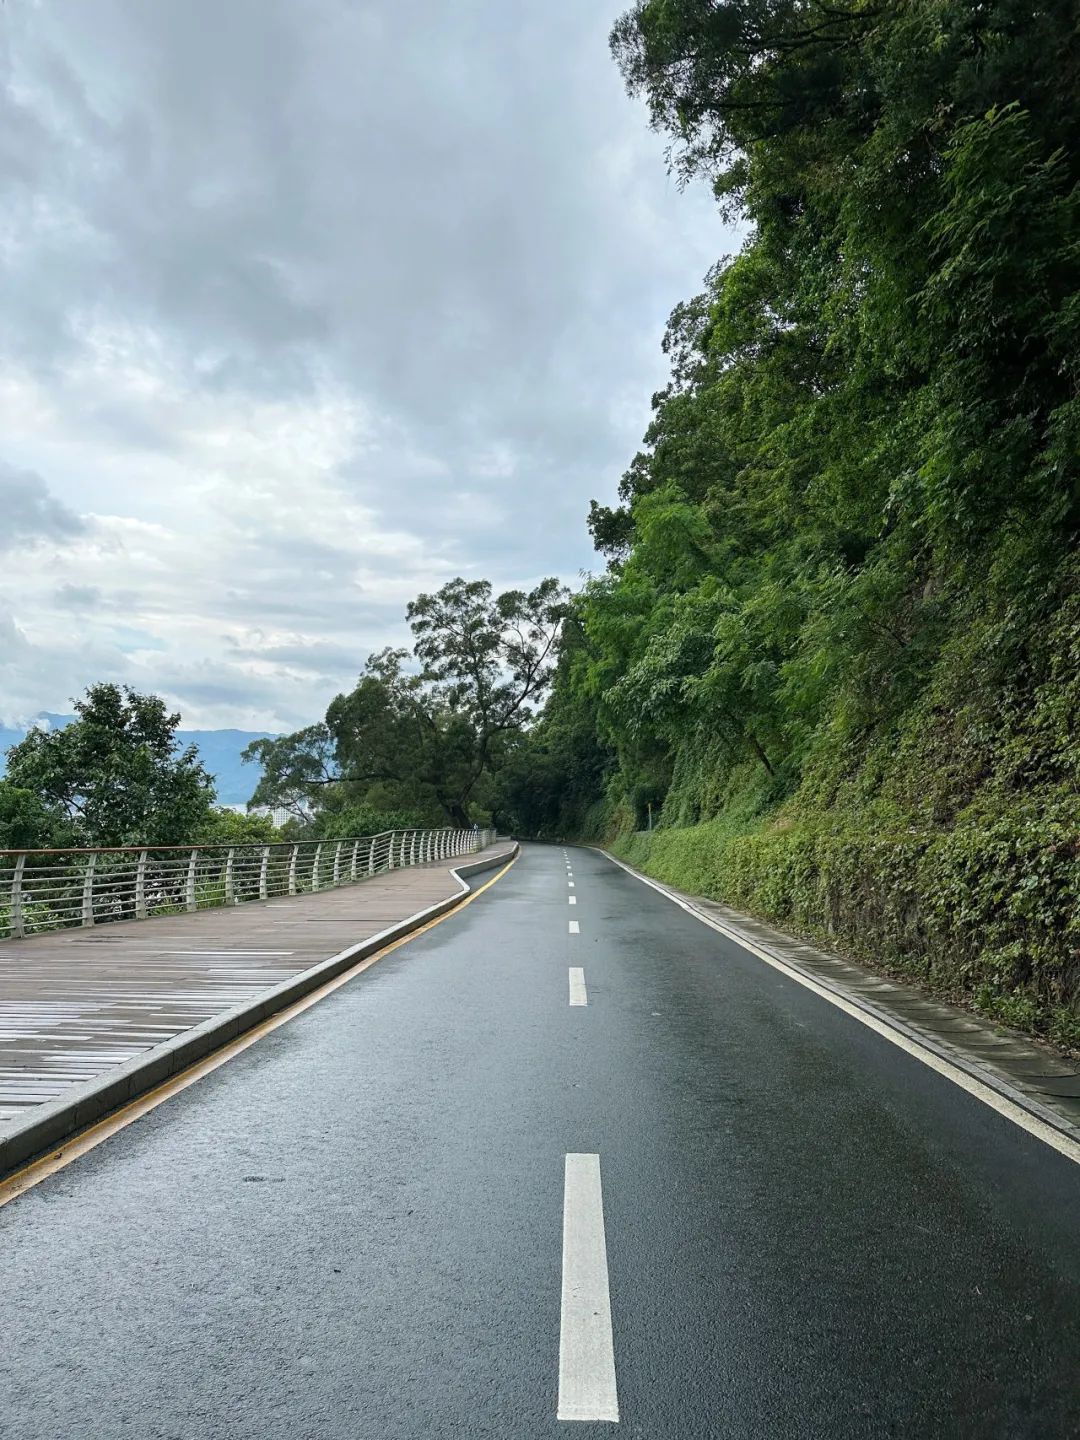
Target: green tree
(26,823)
(115,775)
(421,735)
(842,571)
(293,766)
(551,777)
(229,827)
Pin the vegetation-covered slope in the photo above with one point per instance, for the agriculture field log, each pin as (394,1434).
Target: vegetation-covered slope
(836,648)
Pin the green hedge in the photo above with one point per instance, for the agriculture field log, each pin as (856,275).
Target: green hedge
(987,913)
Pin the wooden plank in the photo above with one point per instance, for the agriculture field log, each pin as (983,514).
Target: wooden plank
(75,1002)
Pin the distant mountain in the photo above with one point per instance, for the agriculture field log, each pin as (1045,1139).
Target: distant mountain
(219,751)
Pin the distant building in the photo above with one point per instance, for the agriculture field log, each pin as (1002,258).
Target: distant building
(278,816)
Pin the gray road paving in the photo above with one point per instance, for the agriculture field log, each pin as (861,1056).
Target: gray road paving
(354,1228)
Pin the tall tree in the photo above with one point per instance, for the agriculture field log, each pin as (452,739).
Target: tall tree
(292,767)
(115,775)
(422,733)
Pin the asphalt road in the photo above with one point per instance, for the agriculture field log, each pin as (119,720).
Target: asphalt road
(355,1228)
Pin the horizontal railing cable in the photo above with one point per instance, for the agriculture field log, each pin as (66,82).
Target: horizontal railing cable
(53,889)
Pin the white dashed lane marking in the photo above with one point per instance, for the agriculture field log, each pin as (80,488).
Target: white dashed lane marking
(587,1388)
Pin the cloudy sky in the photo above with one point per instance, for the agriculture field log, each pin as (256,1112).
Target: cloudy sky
(308,307)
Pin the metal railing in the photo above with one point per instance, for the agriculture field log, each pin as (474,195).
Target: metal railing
(54,889)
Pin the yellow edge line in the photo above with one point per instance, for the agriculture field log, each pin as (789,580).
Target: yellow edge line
(38,1170)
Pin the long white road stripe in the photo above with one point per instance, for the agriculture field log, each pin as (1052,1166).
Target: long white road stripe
(575,928)
(572,899)
(587,1389)
(578,995)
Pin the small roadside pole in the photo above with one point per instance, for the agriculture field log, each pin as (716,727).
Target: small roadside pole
(648,806)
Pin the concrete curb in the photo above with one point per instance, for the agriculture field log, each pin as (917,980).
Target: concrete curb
(58,1120)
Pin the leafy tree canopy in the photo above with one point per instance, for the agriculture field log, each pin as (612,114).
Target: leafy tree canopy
(421,735)
(114,776)
(856,508)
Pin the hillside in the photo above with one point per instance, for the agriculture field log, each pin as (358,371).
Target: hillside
(834,655)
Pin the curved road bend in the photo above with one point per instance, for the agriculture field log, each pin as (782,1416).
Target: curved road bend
(355,1228)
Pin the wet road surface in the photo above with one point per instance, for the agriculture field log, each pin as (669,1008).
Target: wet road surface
(356,1227)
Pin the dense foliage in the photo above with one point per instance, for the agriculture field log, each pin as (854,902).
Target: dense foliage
(419,739)
(836,645)
(115,776)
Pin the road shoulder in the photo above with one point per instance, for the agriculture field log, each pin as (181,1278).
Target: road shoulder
(1042,1082)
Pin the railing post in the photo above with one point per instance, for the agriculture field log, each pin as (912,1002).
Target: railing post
(88,891)
(191,901)
(18,919)
(264,870)
(352,867)
(371,855)
(315,868)
(230,883)
(140,887)
(337,863)
(390,852)
(412,848)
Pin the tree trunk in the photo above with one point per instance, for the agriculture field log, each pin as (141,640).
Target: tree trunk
(459,816)
(761,753)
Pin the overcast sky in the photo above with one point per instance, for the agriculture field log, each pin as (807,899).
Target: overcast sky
(308,307)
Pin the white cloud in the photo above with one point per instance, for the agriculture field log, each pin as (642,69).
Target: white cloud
(29,514)
(306,309)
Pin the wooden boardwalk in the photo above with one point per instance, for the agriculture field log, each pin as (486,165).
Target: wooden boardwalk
(74,1003)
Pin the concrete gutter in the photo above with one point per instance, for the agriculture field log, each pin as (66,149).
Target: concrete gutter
(49,1125)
